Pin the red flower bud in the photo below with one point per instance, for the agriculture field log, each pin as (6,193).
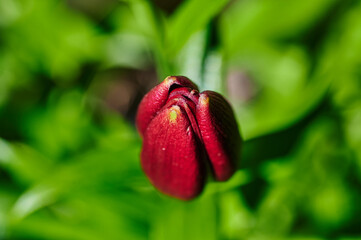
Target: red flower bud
(185,133)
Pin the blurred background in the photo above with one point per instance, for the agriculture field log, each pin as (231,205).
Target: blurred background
(72,73)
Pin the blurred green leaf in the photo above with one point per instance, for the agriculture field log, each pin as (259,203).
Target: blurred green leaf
(284,89)
(58,45)
(189,18)
(247,21)
(151,25)
(62,127)
(235,218)
(190,59)
(195,220)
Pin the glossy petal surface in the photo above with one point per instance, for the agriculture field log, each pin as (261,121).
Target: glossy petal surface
(172,155)
(157,98)
(184,132)
(220,133)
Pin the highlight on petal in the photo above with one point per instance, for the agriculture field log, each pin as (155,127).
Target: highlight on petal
(172,156)
(157,98)
(220,134)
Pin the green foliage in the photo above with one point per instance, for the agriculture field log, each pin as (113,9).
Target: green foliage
(71,71)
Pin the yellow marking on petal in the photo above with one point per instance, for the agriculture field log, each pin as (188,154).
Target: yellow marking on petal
(204,100)
(173,114)
(169,80)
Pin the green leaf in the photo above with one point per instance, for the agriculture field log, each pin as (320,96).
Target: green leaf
(189,18)
(187,220)
(151,25)
(249,20)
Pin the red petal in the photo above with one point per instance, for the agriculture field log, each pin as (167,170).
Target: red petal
(157,98)
(220,133)
(172,157)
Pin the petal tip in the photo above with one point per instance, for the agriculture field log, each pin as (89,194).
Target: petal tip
(170,80)
(203,99)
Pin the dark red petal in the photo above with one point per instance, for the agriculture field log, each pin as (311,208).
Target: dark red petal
(157,98)
(171,156)
(220,133)
(186,92)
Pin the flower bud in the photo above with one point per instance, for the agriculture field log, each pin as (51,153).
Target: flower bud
(184,134)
